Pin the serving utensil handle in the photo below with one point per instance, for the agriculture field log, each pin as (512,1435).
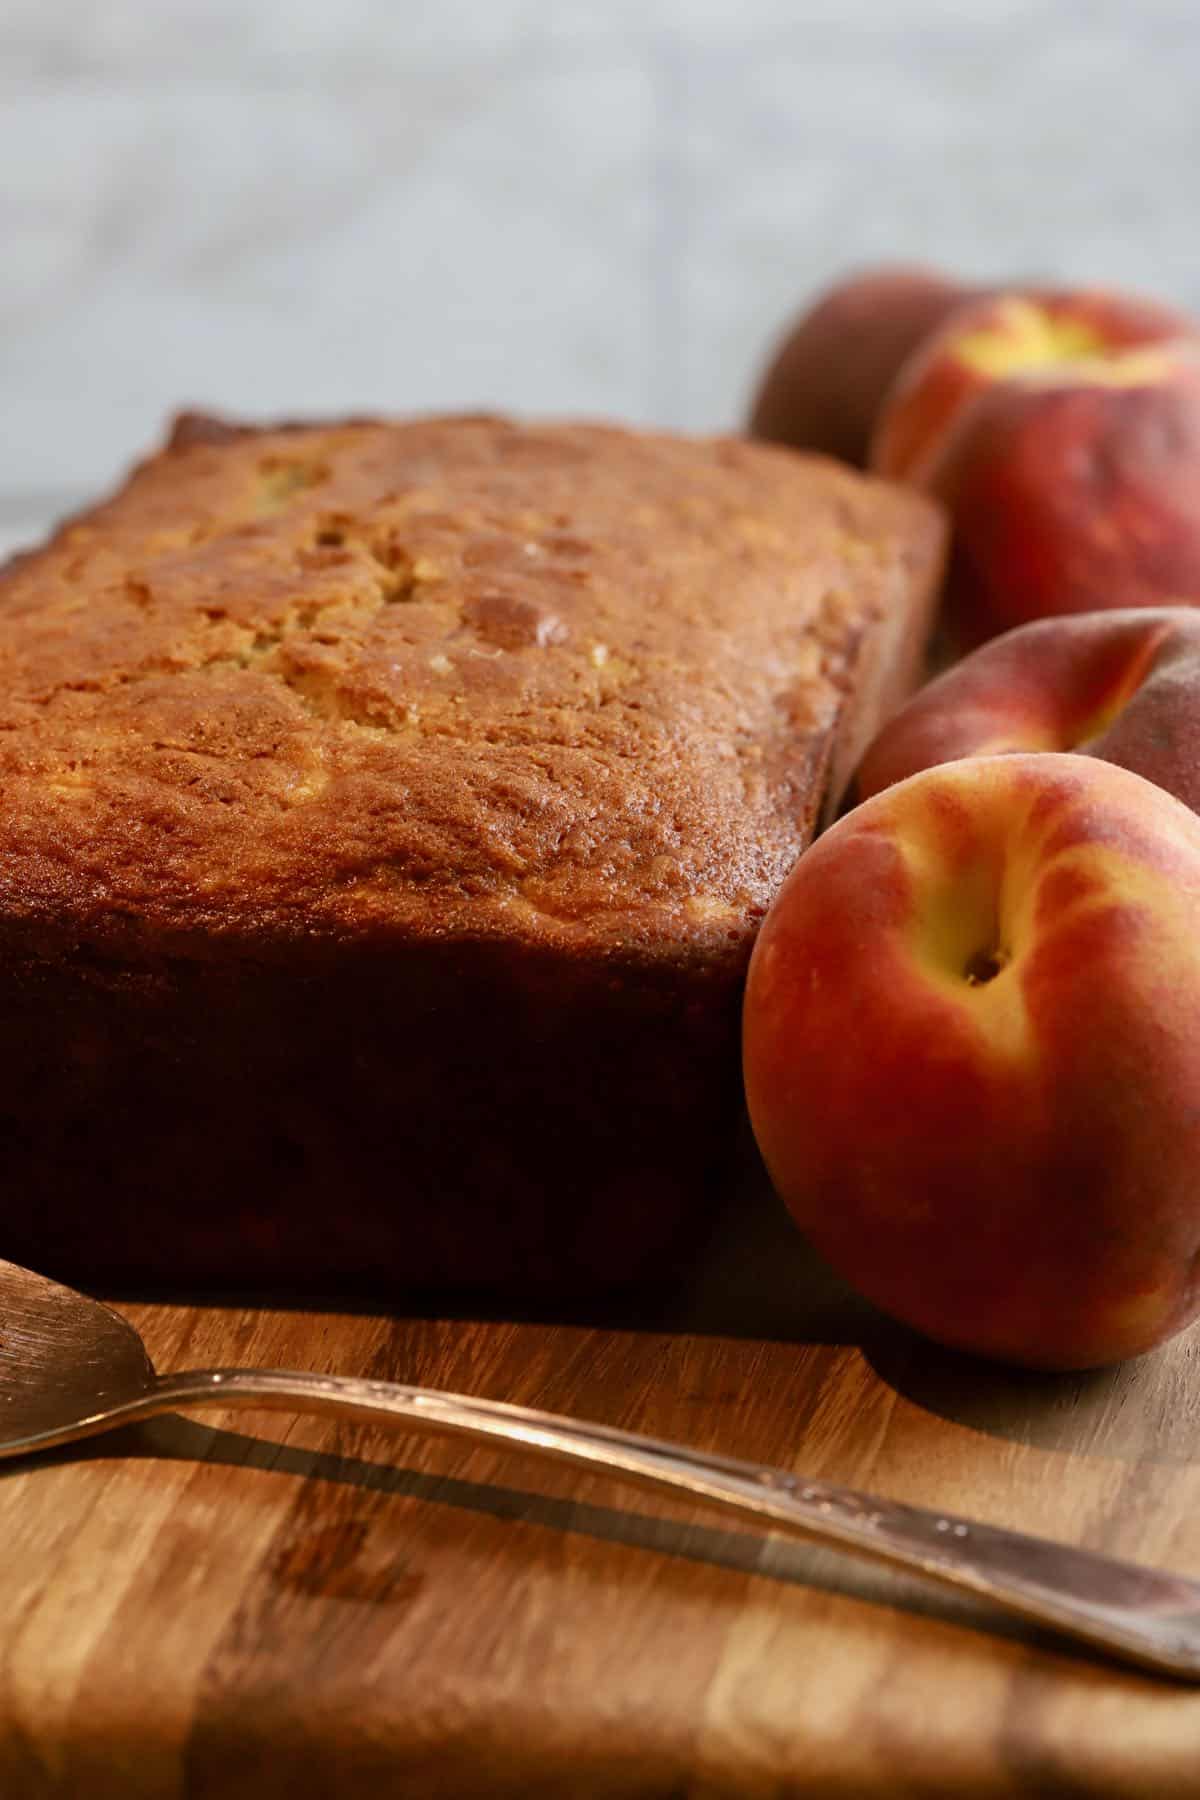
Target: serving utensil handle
(1142,1615)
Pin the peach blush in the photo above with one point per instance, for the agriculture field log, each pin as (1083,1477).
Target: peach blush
(1123,686)
(971,1058)
(1040,337)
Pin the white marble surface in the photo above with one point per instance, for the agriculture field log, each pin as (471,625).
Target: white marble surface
(565,206)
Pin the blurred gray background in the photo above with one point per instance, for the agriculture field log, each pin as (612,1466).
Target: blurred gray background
(560,206)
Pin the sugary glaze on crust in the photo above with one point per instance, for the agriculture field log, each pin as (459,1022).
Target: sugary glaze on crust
(450,675)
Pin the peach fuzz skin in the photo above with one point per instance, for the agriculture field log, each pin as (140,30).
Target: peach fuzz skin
(1035,336)
(971,1056)
(1123,686)
(1068,456)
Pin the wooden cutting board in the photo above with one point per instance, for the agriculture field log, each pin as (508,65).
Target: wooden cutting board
(251,1606)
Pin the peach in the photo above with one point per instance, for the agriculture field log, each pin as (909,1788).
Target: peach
(1063,432)
(1036,336)
(1124,686)
(824,385)
(971,1056)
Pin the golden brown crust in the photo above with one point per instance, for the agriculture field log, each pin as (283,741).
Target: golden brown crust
(386,812)
(452,674)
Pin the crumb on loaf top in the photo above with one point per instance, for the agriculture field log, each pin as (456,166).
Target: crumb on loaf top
(449,674)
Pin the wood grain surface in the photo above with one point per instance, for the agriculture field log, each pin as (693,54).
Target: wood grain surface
(252,1606)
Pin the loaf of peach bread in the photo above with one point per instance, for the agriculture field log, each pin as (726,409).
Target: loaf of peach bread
(386,813)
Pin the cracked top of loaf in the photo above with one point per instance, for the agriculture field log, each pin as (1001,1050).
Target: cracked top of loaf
(451,674)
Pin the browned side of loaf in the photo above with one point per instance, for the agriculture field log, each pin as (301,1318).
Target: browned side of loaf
(386,811)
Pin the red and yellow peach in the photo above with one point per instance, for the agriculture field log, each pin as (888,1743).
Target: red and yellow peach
(1062,430)
(972,1061)
(1124,686)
